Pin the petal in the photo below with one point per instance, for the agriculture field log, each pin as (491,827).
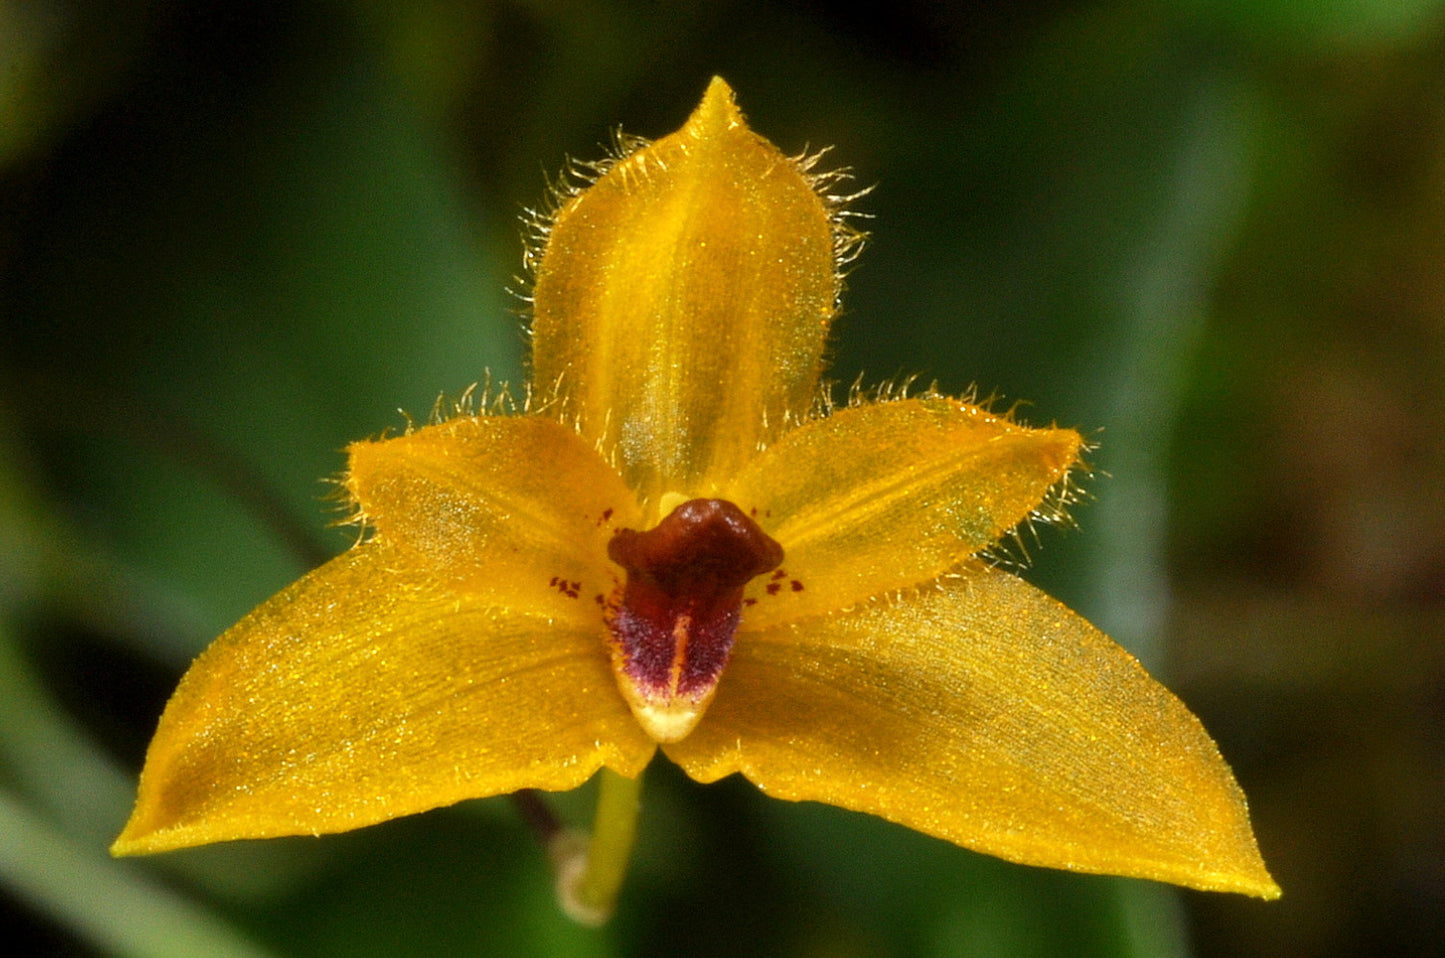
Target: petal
(886,495)
(517,510)
(682,301)
(365,691)
(983,712)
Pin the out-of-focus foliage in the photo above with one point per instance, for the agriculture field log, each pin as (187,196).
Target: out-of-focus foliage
(234,238)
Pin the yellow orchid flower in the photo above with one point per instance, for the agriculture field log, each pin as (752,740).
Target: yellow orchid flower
(687,549)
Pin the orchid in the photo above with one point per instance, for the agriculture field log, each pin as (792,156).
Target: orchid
(676,542)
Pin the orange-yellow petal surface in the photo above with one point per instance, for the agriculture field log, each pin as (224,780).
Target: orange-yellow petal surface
(981,711)
(682,301)
(517,510)
(365,691)
(884,496)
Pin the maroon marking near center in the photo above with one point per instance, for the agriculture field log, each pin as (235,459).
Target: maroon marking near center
(682,601)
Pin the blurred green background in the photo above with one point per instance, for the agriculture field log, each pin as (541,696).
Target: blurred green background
(234,237)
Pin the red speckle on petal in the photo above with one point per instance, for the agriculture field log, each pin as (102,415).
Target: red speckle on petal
(570,589)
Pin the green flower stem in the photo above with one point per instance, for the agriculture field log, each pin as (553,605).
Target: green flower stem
(590,871)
